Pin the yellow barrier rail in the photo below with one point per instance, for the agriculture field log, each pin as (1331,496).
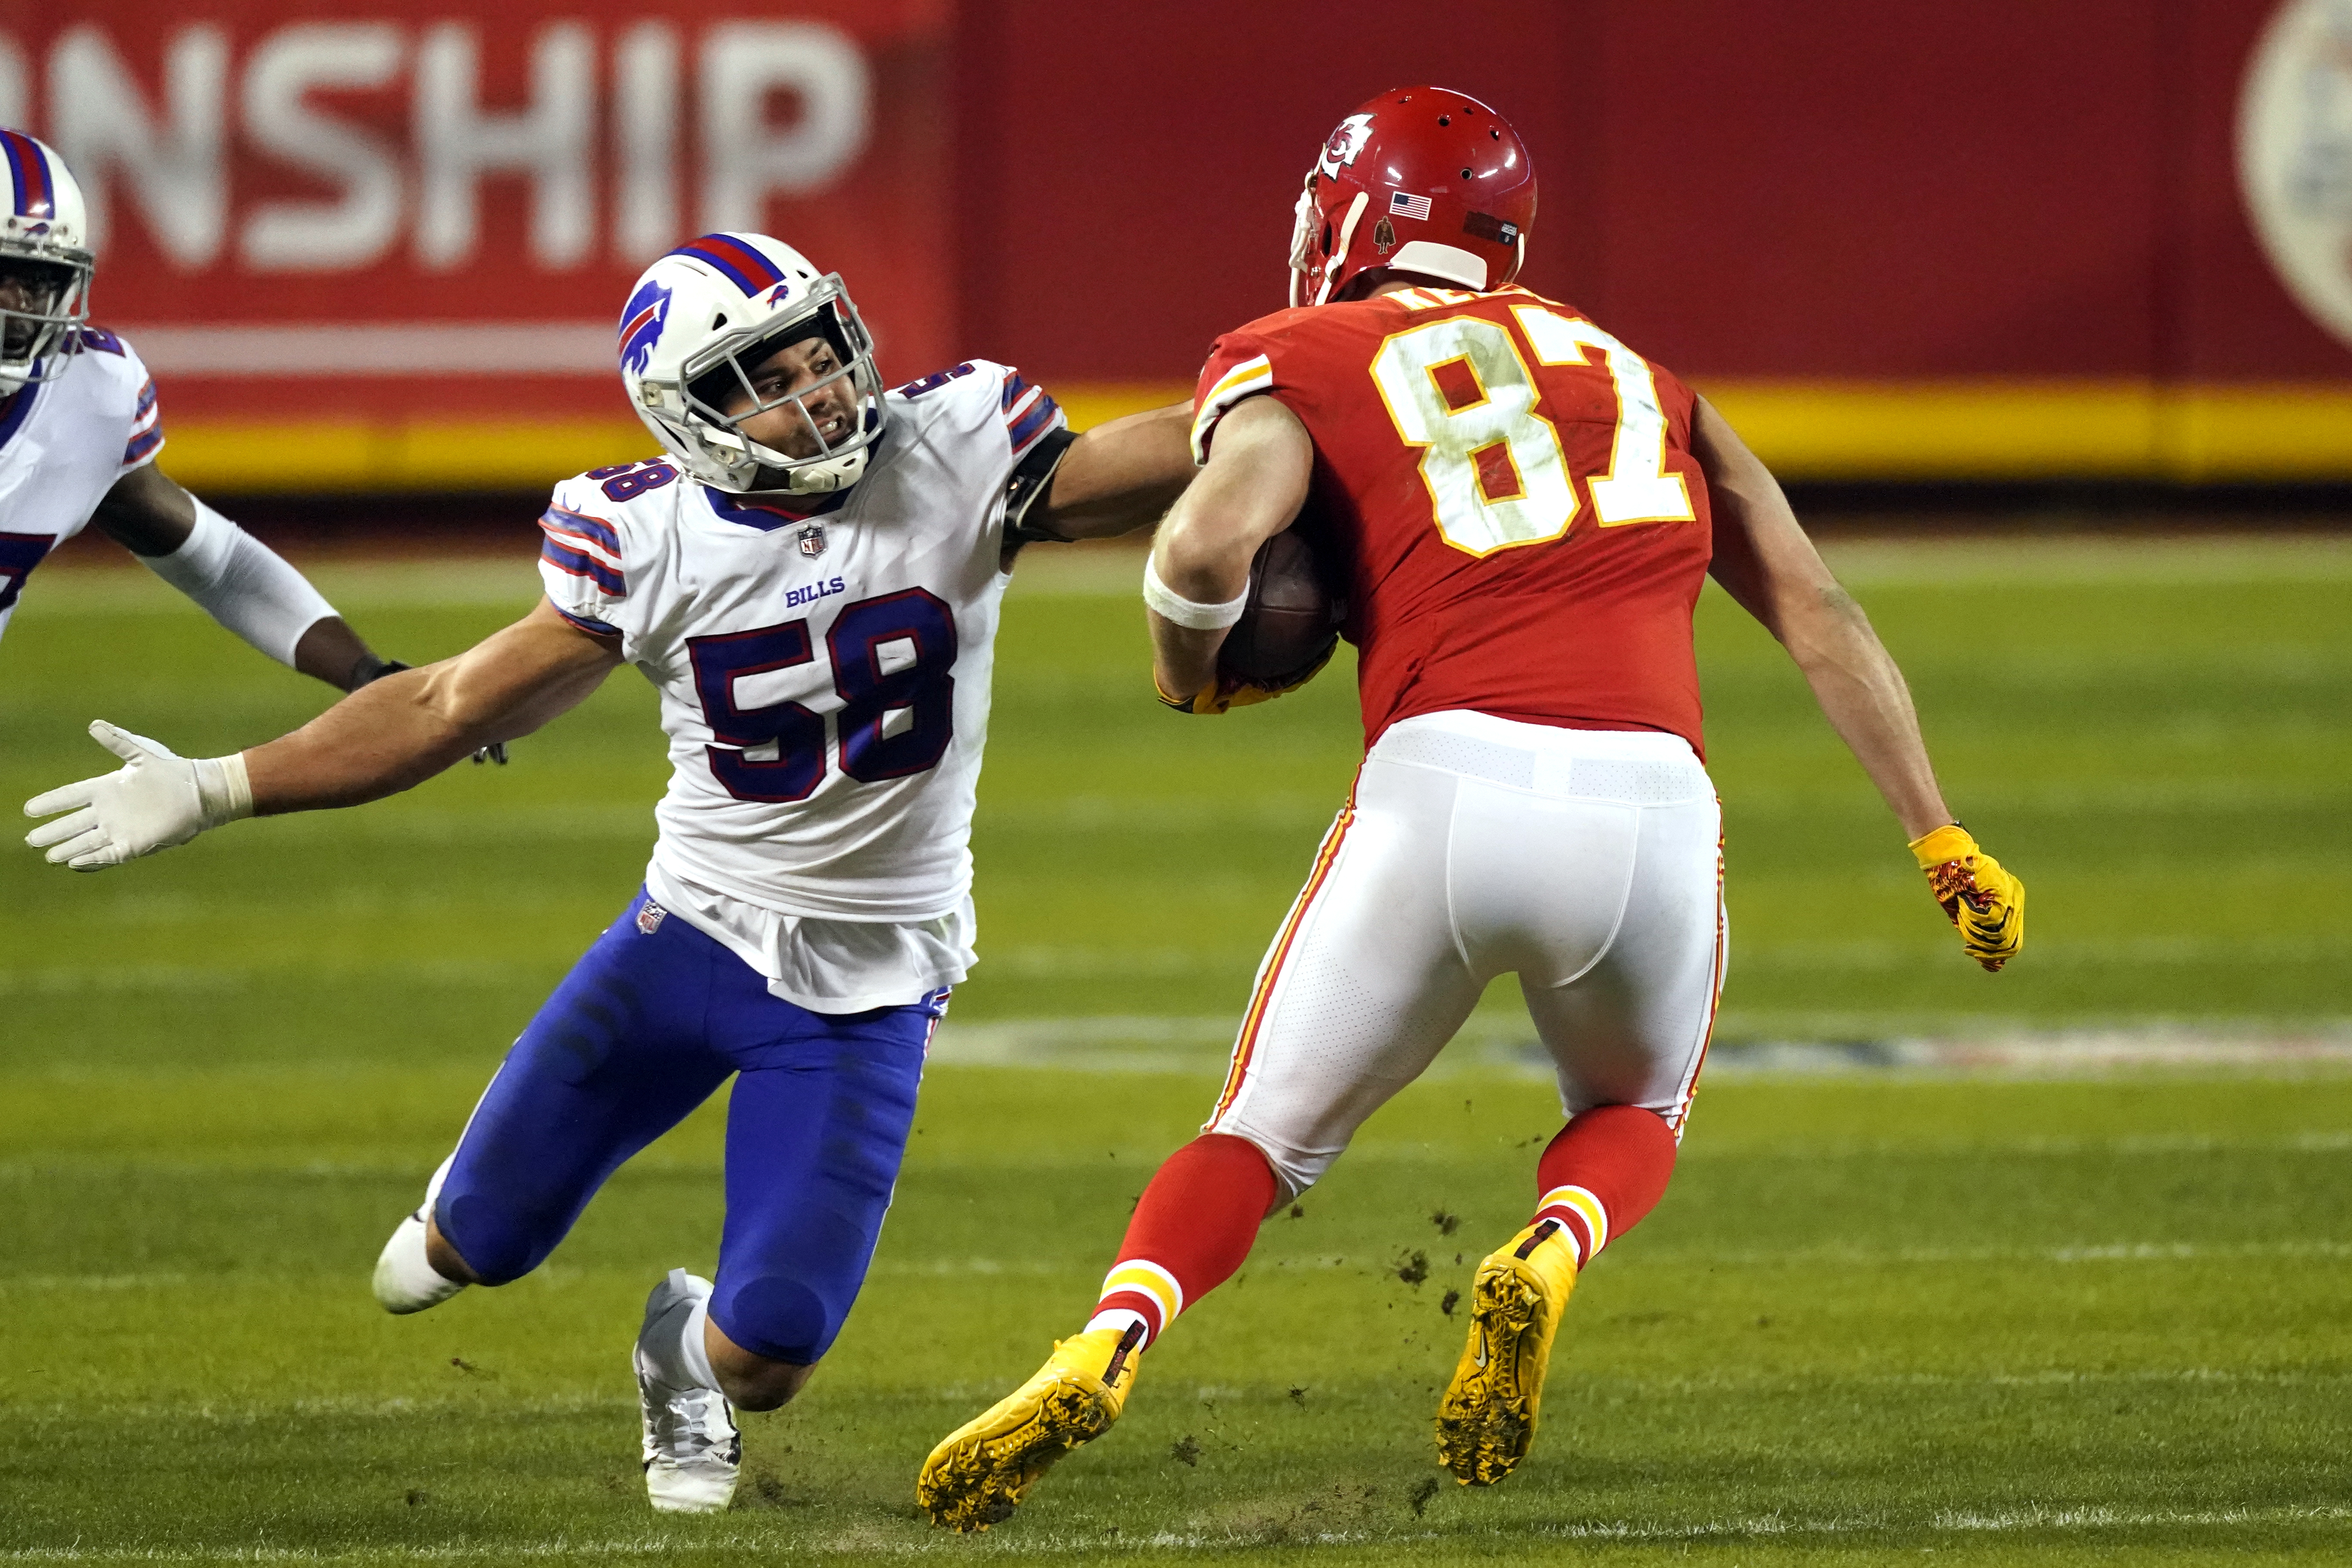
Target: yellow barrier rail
(1890,431)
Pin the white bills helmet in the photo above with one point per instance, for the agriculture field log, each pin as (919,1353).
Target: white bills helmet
(705,315)
(44,248)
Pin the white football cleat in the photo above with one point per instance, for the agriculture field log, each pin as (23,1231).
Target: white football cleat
(693,1450)
(405,1281)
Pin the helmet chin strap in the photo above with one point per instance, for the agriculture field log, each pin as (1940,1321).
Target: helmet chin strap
(816,479)
(1340,251)
(1302,242)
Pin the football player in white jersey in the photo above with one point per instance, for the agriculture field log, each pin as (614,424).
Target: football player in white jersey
(811,577)
(79,430)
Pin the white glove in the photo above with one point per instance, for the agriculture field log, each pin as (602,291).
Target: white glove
(155,799)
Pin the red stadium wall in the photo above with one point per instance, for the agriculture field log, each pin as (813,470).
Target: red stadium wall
(1907,242)
(1910,241)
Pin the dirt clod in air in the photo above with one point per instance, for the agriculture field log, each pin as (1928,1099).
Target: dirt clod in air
(1186,1450)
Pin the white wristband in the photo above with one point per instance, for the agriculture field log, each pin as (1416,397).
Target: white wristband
(224,793)
(1189,614)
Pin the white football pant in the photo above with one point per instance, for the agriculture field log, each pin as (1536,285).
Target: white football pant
(1589,861)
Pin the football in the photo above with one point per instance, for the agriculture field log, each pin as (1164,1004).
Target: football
(1292,618)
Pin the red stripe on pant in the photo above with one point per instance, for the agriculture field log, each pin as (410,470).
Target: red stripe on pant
(1263,997)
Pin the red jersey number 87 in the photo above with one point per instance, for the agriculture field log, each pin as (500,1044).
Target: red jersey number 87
(1497,478)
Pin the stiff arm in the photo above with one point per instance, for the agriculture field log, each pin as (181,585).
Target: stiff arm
(1122,475)
(386,737)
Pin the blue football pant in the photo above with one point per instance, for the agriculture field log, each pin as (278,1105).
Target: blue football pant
(645,1028)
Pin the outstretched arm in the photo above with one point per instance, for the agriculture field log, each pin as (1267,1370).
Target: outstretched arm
(390,735)
(245,586)
(1120,476)
(402,729)
(1764,561)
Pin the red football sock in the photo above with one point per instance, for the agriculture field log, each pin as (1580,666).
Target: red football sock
(1606,1170)
(1192,1227)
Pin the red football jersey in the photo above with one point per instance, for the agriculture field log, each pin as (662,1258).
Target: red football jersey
(1509,493)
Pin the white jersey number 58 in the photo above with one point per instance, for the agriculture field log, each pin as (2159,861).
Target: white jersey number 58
(1497,478)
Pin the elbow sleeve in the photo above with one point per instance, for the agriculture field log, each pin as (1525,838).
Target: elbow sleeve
(244,584)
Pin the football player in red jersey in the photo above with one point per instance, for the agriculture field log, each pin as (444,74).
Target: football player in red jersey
(1523,510)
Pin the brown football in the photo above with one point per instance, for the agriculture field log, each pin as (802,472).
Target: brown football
(1292,618)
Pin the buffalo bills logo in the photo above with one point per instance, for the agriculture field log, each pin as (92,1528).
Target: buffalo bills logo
(641,326)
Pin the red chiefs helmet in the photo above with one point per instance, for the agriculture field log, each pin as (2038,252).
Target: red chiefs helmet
(1422,179)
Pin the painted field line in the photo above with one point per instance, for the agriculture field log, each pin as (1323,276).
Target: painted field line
(2218,793)
(864,1543)
(1957,1523)
(1814,1380)
(499,1406)
(2073,1255)
(1986,558)
(1813,1259)
(2063,953)
(437,582)
(1502,1040)
(1115,569)
(496,824)
(155,979)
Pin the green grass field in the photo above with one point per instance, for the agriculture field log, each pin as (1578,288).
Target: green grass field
(1878,1315)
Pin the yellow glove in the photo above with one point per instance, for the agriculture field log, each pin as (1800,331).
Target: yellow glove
(1984,901)
(1225,691)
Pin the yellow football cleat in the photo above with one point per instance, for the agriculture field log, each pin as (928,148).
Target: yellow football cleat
(980,1474)
(1488,1418)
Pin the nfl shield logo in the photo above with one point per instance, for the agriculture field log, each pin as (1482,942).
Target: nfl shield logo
(650,917)
(813,539)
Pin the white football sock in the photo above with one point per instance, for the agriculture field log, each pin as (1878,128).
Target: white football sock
(433,1183)
(681,1357)
(406,1280)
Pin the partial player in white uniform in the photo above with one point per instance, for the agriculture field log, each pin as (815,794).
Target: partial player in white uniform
(80,431)
(811,577)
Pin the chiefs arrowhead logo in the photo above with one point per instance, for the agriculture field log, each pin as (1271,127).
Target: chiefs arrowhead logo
(1346,143)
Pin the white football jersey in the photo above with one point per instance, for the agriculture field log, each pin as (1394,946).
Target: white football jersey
(823,662)
(63,442)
